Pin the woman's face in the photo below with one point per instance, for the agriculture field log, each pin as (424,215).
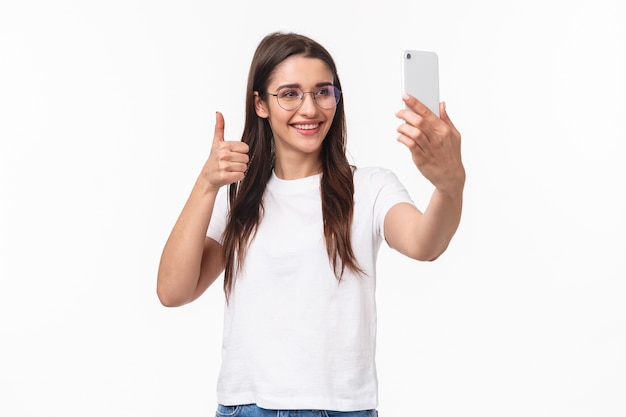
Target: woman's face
(298,133)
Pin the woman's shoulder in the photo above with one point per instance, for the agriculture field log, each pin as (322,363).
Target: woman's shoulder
(379,186)
(373,173)
(373,179)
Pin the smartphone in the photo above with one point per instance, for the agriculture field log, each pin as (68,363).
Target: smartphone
(420,77)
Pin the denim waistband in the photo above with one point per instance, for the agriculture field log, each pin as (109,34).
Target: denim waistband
(251,410)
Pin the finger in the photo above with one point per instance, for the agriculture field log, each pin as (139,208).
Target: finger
(413,137)
(442,111)
(415,126)
(446,118)
(218,136)
(237,167)
(444,114)
(410,143)
(237,147)
(418,107)
(239,157)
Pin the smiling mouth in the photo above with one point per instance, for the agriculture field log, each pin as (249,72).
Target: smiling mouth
(309,126)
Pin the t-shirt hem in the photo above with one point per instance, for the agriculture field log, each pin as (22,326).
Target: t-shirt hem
(298,403)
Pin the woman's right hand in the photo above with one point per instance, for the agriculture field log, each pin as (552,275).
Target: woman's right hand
(227,162)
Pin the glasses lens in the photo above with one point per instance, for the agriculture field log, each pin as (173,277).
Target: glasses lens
(289,98)
(327,97)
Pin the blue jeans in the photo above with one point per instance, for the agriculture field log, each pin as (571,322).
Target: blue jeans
(251,410)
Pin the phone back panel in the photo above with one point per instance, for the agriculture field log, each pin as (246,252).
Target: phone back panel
(420,77)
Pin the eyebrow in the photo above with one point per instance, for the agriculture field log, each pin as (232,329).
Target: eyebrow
(322,84)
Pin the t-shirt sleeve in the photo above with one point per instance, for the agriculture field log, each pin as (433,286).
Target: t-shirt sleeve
(389,191)
(217,225)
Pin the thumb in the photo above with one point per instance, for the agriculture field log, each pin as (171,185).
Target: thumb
(442,111)
(444,114)
(218,136)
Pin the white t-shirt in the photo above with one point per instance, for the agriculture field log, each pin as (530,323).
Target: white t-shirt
(294,336)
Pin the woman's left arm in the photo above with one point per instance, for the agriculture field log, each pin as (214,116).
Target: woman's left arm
(435,146)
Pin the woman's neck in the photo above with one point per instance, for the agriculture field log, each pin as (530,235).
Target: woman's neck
(293,169)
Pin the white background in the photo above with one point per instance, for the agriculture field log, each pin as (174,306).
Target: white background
(106,116)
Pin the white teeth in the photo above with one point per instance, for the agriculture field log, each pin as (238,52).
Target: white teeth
(307,127)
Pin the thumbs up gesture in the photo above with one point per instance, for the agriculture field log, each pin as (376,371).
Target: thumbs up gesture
(228,160)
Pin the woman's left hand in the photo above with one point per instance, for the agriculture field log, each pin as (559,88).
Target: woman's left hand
(435,145)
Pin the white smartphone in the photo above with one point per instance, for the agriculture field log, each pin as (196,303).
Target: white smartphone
(420,77)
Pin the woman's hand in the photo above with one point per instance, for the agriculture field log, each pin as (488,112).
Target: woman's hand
(227,162)
(435,145)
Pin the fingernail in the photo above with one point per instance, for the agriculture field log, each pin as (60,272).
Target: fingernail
(405,97)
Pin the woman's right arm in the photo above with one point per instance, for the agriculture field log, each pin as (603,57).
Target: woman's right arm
(190,261)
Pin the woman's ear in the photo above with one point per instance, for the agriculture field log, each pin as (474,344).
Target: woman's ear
(260,106)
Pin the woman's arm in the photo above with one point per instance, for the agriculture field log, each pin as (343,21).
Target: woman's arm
(435,146)
(190,261)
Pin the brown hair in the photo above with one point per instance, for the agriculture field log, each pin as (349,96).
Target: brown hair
(337,187)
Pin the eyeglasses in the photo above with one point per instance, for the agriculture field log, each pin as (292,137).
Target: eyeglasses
(290,98)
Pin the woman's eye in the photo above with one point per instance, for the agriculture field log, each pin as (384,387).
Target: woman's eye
(323,91)
(289,94)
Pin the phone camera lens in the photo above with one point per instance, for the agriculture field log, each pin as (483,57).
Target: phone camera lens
(408,56)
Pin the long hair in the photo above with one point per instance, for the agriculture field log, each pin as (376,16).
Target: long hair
(246,196)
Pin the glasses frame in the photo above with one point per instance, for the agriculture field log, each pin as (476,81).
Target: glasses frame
(337,96)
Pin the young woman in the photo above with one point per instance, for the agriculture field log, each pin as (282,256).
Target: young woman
(296,233)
